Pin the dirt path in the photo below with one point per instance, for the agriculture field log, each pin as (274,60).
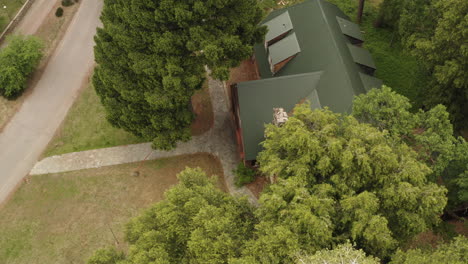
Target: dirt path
(219,141)
(29,131)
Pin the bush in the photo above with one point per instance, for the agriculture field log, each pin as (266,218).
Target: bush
(243,175)
(59,12)
(17,61)
(67,2)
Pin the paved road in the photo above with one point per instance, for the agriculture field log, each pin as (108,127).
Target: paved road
(36,14)
(29,131)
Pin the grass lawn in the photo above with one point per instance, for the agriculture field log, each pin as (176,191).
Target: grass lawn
(65,217)
(8,13)
(86,127)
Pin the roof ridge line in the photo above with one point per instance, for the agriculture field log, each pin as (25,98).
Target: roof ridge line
(334,40)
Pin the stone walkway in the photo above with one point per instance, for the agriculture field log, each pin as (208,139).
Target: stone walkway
(219,141)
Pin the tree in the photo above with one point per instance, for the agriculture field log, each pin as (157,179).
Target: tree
(342,254)
(453,253)
(17,61)
(429,133)
(107,256)
(151,57)
(195,223)
(444,53)
(455,176)
(389,13)
(349,179)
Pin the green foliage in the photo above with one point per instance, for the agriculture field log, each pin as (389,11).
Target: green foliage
(59,12)
(456,175)
(107,256)
(342,254)
(243,175)
(429,133)
(17,61)
(439,43)
(196,223)
(344,180)
(151,57)
(67,3)
(453,253)
(444,51)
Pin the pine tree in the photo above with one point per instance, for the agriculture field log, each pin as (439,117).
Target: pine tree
(151,57)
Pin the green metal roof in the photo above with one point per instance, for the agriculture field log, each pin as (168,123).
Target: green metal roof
(277,26)
(284,49)
(370,82)
(361,56)
(258,98)
(324,49)
(349,28)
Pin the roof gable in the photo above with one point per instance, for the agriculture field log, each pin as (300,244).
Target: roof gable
(258,98)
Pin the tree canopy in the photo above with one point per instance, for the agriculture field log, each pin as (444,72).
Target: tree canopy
(342,254)
(195,223)
(151,57)
(17,61)
(453,253)
(435,31)
(429,133)
(349,179)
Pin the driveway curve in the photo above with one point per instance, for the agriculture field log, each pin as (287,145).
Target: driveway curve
(30,130)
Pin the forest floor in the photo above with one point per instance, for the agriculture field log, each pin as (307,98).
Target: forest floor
(65,217)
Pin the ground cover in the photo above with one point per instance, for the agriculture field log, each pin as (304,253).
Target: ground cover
(65,217)
(8,10)
(50,32)
(86,127)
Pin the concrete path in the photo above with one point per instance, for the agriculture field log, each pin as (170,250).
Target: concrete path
(30,130)
(219,141)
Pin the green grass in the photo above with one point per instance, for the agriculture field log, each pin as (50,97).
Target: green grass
(86,127)
(65,217)
(8,13)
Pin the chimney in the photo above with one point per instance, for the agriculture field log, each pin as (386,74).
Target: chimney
(279,116)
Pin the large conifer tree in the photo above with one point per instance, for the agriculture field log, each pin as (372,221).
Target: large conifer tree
(151,56)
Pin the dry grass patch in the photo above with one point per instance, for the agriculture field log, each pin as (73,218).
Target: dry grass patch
(65,217)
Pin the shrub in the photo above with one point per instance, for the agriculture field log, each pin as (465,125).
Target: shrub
(59,12)
(67,2)
(17,61)
(243,175)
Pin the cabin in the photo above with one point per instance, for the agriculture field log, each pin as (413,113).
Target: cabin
(312,52)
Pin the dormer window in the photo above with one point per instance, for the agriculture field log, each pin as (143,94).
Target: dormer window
(280,53)
(351,31)
(363,59)
(278,28)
